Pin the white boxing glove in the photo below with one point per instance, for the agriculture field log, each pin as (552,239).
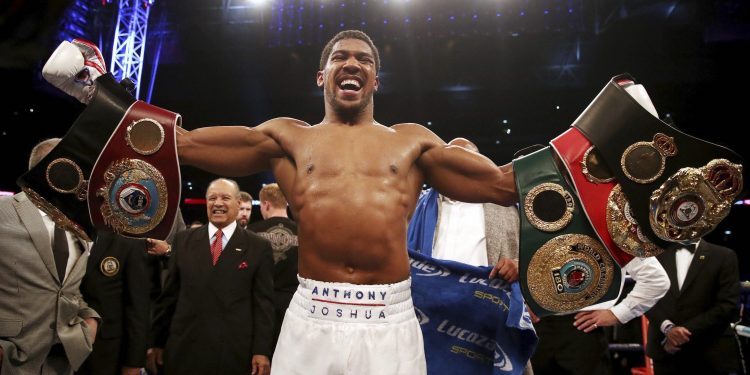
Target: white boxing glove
(638,92)
(74,68)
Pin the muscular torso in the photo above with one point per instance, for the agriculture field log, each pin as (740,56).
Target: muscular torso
(352,190)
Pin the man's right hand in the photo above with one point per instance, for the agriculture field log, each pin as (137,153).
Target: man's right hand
(73,68)
(678,335)
(506,268)
(154,359)
(158,247)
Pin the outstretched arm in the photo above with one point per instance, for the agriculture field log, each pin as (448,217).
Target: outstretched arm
(465,175)
(233,150)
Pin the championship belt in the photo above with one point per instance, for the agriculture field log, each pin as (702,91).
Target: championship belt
(594,183)
(135,183)
(678,187)
(563,266)
(137,170)
(58,184)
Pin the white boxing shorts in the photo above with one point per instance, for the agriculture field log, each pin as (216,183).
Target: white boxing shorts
(349,329)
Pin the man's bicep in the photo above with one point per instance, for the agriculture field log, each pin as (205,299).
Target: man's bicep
(228,150)
(467,176)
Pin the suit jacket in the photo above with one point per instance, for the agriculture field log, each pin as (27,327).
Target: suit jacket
(121,296)
(32,298)
(213,319)
(501,228)
(706,305)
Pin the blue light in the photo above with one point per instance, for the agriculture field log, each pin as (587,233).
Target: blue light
(363,23)
(522,13)
(452,18)
(320,26)
(343,5)
(406,20)
(429,19)
(546,11)
(474,17)
(570,10)
(341,24)
(299,27)
(497,14)
(385,21)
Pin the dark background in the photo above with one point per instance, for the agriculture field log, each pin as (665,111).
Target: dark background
(462,68)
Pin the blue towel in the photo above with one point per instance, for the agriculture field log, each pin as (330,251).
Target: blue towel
(422,225)
(471,325)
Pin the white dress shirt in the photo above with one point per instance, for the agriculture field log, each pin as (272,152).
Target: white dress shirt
(226,232)
(682,258)
(460,233)
(651,283)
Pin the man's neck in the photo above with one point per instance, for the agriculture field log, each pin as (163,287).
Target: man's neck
(363,117)
(276,213)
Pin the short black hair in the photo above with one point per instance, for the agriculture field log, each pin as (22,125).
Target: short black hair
(349,34)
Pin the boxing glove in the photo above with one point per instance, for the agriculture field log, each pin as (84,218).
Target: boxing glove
(638,92)
(74,68)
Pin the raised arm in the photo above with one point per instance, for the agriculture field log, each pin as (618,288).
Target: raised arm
(234,150)
(465,175)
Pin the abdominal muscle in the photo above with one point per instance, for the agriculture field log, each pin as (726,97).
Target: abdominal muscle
(354,238)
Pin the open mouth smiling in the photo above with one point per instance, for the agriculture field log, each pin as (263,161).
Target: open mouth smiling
(350,84)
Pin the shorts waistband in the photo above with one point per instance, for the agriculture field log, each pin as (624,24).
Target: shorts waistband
(353,303)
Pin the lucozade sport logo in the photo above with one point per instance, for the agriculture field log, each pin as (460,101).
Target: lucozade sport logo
(428,269)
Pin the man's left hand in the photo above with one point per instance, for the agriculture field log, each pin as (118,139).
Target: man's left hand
(588,321)
(261,365)
(671,349)
(506,268)
(92,324)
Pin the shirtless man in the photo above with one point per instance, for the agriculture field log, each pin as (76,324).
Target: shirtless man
(352,184)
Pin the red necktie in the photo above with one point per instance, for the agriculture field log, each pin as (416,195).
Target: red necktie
(216,247)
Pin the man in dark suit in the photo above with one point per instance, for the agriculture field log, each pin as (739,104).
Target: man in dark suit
(689,329)
(215,314)
(117,286)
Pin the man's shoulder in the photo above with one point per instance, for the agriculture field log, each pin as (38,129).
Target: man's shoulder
(263,225)
(410,128)
(10,199)
(190,232)
(717,249)
(417,134)
(253,238)
(283,123)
